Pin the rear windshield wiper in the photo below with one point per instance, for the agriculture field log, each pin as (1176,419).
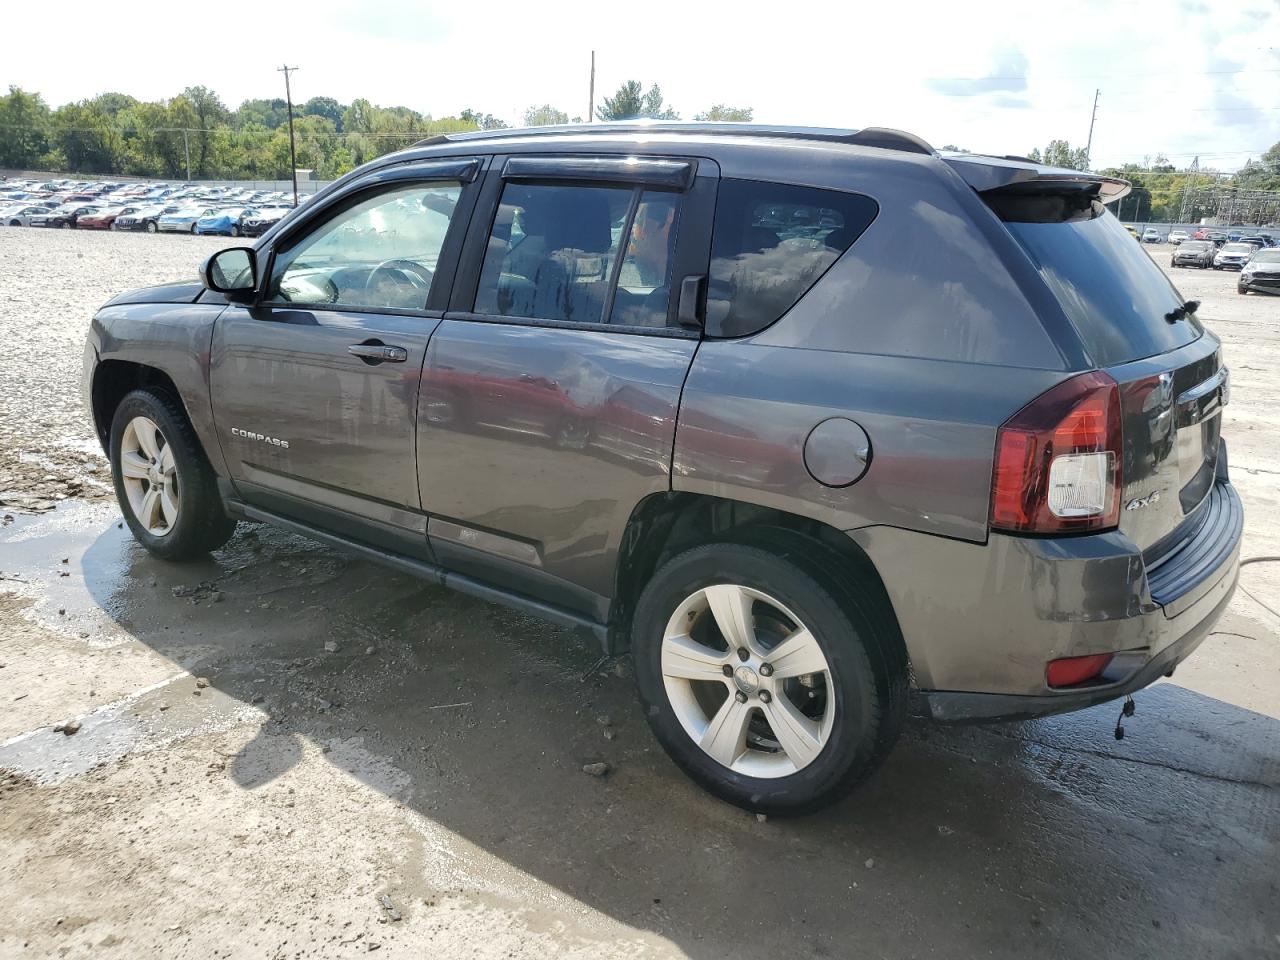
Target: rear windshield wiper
(1177,313)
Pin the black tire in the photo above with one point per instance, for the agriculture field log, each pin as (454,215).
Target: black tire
(202,524)
(235,230)
(151,226)
(65,224)
(15,223)
(869,674)
(1242,289)
(193,229)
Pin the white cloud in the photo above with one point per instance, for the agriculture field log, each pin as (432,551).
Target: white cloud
(924,66)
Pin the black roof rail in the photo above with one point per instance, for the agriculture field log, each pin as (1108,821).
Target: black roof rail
(882,138)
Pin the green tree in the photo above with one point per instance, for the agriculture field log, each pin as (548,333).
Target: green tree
(544,116)
(24,129)
(629,103)
(210,113)
(485,121)
(1059,153)
(326,107)
(725,114)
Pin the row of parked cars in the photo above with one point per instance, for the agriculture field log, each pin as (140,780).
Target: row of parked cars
(1218,237)
(1258,263)
(149,207)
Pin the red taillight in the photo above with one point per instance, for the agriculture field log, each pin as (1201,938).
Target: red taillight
(1069,671)
(1057,463)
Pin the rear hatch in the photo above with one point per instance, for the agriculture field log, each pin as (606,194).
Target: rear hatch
(1137,328)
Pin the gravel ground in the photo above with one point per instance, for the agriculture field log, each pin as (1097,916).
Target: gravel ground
(282,752)
(51,281)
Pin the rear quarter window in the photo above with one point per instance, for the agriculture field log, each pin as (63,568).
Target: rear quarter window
(770,244)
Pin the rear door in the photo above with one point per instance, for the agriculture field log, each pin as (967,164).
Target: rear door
(550,392)
(1136,326)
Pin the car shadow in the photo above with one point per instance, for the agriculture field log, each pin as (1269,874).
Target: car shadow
(1046,838)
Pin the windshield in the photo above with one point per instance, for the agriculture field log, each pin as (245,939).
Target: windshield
(1237,248)
(1194,246)
(1267,256)
(1108,287)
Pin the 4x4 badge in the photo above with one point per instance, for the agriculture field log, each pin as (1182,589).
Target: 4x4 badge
(1139,502)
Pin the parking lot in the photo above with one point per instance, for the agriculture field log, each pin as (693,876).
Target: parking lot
(284,752)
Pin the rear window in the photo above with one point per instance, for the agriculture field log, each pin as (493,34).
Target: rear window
(770,244)
(1108,286)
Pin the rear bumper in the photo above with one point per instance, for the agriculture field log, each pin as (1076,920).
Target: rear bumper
(981,622)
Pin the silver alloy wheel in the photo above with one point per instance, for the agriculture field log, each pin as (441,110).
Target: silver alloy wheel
(150,476)
(748,681)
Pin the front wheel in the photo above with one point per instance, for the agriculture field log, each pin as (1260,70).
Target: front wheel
(1242,289)
(164,484)
(760,683)
(151,226)
(235,230)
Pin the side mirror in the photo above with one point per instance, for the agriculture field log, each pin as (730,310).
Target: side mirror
(233,272)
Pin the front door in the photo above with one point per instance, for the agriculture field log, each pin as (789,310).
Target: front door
(549,400)
(315,386)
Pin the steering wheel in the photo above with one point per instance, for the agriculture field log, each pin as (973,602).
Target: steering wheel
(414,270)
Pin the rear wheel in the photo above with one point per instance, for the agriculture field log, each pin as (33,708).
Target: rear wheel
(166,489)
(15,223)
(760,684)
(151,226)
(235,230)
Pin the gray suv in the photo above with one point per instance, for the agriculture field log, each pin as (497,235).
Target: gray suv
(815,423)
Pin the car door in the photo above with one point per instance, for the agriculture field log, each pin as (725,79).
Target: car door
(315,384)
(550,390)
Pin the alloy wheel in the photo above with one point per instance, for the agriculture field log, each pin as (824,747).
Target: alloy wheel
(748,681)
(150,476)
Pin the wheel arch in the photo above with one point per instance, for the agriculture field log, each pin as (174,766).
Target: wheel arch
(665,524)
(113,380)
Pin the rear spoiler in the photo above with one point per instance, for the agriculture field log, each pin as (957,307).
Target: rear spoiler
(993,173)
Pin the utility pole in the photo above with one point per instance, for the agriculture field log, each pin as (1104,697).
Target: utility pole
(186,149)
(591,96)
(1088,147)
(293,153)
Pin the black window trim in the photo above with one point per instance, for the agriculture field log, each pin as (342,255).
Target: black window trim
(671,174)
(465,171)
(677,333)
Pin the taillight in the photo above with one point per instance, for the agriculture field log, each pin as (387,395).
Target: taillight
(1057,464)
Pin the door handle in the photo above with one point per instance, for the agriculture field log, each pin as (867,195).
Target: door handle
(378,353)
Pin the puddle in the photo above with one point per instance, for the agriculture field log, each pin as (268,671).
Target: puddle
(84,596)
(135,724)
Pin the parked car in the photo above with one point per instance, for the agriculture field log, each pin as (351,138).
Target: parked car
(1177,236)
(182,221)
(103,219)
(1256,242)
(1261,272)
(257,222)
(225,222)
(1232,256)
(1218,237)
(145,217)
(1152,235)
(1133,232)
(20,215)
(64,216)
(1194,253)
(800,556)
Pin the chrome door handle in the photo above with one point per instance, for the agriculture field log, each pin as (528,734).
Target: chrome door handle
(378,352)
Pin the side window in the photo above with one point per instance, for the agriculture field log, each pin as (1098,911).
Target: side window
(382,252)
(770,243)
(583,254)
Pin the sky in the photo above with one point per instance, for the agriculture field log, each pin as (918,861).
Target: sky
(1178,77)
